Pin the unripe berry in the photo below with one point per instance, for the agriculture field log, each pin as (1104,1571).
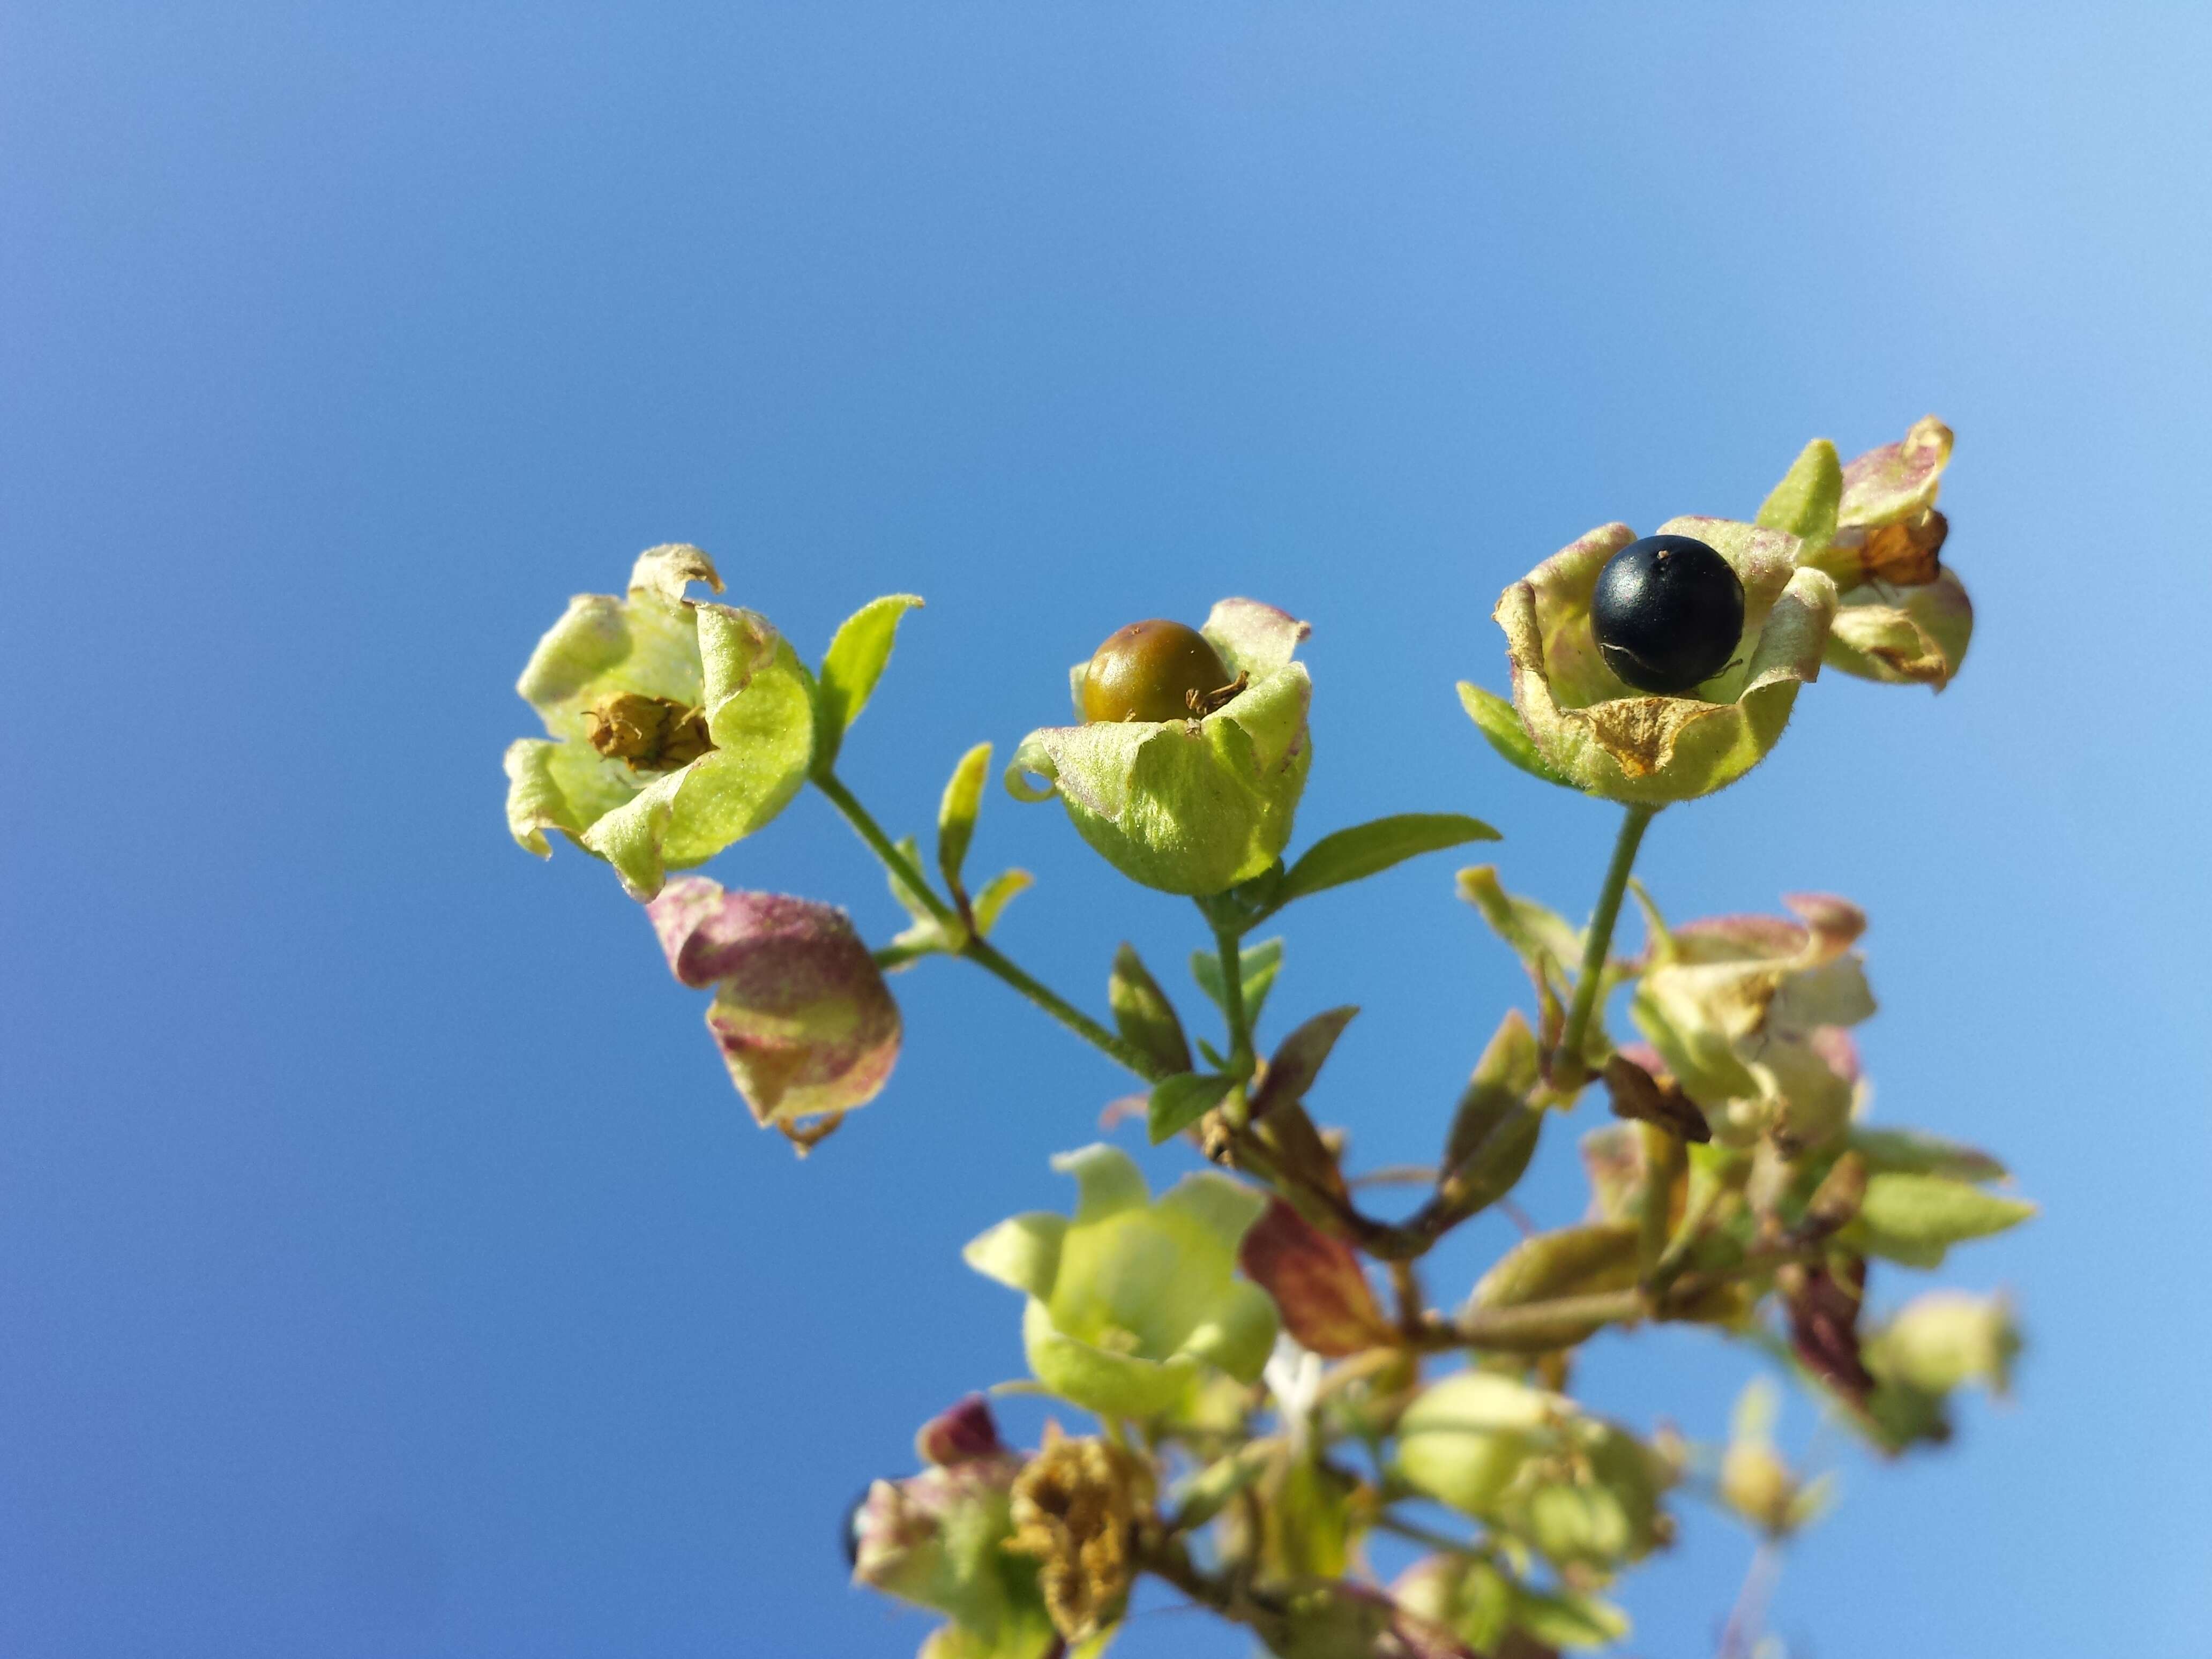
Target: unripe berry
(1668,613)
(1152,671)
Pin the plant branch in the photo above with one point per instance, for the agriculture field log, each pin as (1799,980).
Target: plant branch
(975,948)
(1567,1062)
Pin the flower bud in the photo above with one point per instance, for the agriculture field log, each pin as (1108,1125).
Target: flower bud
(1944,1339)
(1203,799)
(939,1540)
(803,1017)
(1747,1011)
(1577,1490)
(1316,1282)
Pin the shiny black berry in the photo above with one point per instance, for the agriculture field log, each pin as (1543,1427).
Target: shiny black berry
(850,1531)
(1668,613)
(1152,671)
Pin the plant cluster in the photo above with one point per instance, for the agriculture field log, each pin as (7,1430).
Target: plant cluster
(1268,1385)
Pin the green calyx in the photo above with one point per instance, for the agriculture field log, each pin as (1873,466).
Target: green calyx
(1587,728)
(1134,1300)
(675,728)
(1193,805)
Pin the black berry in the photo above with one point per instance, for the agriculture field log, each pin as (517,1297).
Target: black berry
(1668,613)
(1151,670)
(850,1529)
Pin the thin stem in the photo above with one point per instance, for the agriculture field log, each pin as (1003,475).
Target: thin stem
(992,960)
(1568,1061)
(884,848)
(1228,946)
(976,949)
(1749,1613)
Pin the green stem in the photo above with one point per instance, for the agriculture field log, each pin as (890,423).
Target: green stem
(1229,947)
(1567,1062)
(978,949)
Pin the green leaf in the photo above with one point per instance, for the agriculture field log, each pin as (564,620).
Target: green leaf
(1911,1151)
(851,668)
(1143,1014)
(1370,849)
(1805,502)
(1500,725)
(1298,1059)
(1915,1218)
(1259,962)
(1182,1101)
(998,893)
(956,813)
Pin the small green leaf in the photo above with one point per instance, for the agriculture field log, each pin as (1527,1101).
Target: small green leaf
(1500,725)
(1915,1218)
(1298,1059)
(1182,1101)
(850,669)
(956,813)
(998,893)
(1912,1152)
(1211,1055)
(1260,964)
(1805,502)
(1143,1014)
(1370,849)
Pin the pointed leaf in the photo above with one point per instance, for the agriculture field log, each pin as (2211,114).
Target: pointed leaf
(998,893)
(1182,1101)
(956,812)
(1297,1061)
(1913,1151)
(1804,503)
(1368,849)
(851,667)
(1915,1218)
(1143,1014)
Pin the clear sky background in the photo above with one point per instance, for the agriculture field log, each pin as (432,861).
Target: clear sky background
(386,1266)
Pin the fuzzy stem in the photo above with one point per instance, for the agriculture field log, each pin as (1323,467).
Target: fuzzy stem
(1567,1063)
(976,949)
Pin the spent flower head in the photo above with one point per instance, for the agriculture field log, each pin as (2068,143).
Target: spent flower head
(801,1013)
(675,728)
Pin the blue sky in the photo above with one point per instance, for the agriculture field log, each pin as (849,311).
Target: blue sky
(386,1267)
